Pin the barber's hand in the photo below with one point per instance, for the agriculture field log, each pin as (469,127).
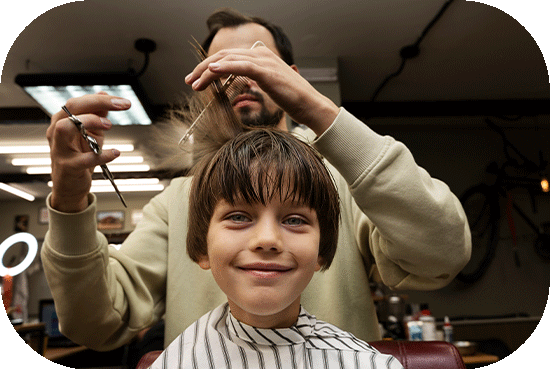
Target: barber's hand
(73,161)
(301,101)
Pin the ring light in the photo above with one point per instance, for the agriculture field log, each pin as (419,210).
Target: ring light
(31,242)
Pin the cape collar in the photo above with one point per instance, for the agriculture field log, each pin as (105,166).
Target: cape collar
(296,334)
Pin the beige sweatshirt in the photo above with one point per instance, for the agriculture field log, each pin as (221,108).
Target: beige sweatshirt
(394,215)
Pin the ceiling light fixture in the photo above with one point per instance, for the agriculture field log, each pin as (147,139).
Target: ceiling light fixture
(25,149)
(126,185)
(128,188)
(52,91)
(121,182)
(45,149)
(17,192)
(112,168)
(25,162)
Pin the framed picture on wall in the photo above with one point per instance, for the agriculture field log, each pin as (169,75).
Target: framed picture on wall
(107,220)
(21,223)
(43,215)
(137,215)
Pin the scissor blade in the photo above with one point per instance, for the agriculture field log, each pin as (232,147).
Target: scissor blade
(107,174)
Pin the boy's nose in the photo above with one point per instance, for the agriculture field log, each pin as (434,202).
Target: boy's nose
(267,237)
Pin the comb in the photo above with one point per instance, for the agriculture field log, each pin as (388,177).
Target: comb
(230,88)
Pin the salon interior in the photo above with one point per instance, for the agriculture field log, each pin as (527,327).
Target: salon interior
(462,84)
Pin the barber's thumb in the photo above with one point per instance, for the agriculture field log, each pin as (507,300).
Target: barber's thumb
(111,155)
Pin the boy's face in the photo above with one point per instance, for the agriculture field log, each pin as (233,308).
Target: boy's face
(263,257)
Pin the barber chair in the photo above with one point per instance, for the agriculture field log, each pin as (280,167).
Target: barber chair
(422,354)
(411,354)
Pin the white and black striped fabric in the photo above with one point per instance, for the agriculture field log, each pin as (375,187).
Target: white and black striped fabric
(218,340)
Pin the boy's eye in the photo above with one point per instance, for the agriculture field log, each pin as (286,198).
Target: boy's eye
(238,218)
(294,221)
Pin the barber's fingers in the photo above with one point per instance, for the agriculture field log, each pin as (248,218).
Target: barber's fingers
(255,64)
(91,160)
(65,133)
(70,164)
(99,104)
(92,122)
(91,109)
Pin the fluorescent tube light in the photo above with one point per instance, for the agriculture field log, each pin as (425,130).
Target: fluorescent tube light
(16,192)
(126,182)
(131,188)
(34,149)
(45,149)
(112,168)
(25,162)
(126,185)
(121,182)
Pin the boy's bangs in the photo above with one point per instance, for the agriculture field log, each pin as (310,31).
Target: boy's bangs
(261,185)
(255,175)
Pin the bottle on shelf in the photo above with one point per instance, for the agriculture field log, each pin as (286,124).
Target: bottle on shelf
(428,324)
(447,330)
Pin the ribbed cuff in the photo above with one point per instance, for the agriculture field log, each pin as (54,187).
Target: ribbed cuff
(73,234)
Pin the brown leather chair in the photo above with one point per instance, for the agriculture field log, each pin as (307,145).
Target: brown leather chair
(411,354)
(422,354)
(148,359)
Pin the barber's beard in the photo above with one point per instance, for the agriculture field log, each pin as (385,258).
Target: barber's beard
(263,118)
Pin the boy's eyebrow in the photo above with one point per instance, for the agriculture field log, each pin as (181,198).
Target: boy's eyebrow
(293,204)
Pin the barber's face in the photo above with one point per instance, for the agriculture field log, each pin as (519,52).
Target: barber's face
(252,105)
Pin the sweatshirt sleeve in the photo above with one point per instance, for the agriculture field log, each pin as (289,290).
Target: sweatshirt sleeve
(104,296)
(410,223)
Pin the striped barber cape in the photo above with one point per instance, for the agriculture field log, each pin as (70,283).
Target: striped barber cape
(218,340)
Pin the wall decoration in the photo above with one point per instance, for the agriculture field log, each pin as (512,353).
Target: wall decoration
(107,220)
(136,216)
(21,223)
(43,215)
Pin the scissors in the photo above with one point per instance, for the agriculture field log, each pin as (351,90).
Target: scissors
(92,142)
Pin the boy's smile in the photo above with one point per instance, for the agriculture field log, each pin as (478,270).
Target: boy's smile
(263,257)
(265,270)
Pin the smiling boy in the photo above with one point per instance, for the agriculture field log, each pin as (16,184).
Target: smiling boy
(265,216)
(262,257)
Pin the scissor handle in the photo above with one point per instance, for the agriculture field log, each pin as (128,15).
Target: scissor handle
(92,142)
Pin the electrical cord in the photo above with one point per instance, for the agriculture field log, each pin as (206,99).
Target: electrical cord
(411,51)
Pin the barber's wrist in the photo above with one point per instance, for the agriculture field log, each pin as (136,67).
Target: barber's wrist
(67,204)
(323,115)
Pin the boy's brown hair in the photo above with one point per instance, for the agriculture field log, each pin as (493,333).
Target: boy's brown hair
(256,166)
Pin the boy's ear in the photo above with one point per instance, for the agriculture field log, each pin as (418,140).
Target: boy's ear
(320,263)
(203,262)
